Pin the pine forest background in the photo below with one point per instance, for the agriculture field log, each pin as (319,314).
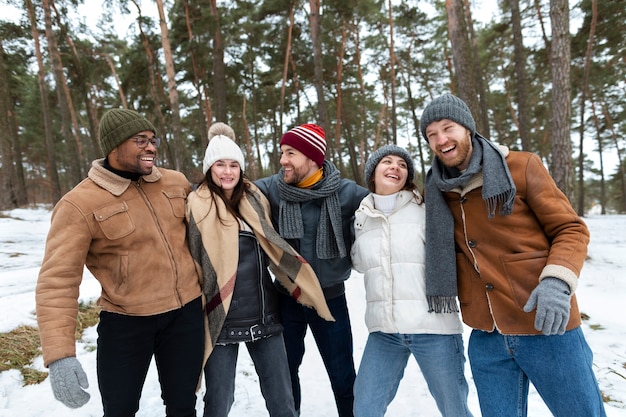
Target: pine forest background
(542,76)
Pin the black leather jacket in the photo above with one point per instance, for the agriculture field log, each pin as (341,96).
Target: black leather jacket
(253,311)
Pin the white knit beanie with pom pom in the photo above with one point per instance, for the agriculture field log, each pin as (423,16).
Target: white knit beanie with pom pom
(221,146)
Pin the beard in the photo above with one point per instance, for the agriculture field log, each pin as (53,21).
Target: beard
(460,158)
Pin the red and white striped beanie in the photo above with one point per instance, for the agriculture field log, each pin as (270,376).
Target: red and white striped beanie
(308,139)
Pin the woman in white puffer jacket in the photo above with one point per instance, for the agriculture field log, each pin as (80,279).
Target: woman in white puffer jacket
(389,251)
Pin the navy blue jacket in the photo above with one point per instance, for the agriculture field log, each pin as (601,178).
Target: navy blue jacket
(330,272)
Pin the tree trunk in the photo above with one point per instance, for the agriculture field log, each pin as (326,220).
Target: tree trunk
(51,165)
(86,157)
(336,153)
(620,171)
(315,22)
(283,86)
(120,88)
(596,124)
(155,85)
(13,187)
(465,80)
(482,119)
(585,88)
(252,169)
(561,95)
(203,97)
(296,87)
(74,148)
(416,125)
(522,87)
(219,71)
(392,76)
(358,175)
(181,161)
(544,36)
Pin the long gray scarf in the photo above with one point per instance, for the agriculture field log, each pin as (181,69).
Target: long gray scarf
(498,190)
(329,241)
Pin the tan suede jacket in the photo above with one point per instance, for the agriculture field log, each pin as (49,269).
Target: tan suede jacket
(132,238)
(501,260)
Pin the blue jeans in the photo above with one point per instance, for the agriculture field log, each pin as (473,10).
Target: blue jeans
(126,345)
(441,359)
(334,342)
(560,368)
(270,362)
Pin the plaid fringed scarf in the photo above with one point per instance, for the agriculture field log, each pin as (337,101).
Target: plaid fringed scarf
(214,247)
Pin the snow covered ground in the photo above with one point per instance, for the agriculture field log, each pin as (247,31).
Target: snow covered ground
(601,295)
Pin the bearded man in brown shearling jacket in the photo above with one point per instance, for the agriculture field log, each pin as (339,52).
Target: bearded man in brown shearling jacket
(126,224)
(499,229)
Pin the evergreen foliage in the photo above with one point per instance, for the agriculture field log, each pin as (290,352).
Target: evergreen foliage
(245,63)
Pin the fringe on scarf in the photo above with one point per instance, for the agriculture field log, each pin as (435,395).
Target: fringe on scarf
(440,304)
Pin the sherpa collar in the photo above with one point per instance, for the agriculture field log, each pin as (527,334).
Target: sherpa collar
(113,183)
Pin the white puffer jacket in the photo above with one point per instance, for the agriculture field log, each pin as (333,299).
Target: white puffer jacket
(389,251)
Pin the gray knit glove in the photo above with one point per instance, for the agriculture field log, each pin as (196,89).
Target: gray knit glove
(68,381)
(552,299)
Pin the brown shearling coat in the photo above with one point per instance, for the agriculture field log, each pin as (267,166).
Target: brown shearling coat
(132,238)
(502,259)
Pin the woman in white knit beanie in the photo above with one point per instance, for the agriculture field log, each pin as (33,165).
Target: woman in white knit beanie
(232,240)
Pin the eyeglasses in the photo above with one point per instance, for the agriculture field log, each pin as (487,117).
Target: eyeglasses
(142,141)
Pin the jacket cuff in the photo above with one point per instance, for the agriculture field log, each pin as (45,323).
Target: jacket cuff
(562,273)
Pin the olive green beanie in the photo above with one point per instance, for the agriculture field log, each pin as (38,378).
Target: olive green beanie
(117,125)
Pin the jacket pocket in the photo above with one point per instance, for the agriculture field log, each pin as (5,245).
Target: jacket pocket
(114,221)
(176,199)
(522,272)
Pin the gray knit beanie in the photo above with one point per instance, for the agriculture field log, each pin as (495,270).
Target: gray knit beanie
(449,107)
(383,151)
(117,125)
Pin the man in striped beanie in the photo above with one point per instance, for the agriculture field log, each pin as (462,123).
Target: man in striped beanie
(308,139)
(313,209)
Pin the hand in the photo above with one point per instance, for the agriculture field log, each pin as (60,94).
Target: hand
(68,381)
(552,299)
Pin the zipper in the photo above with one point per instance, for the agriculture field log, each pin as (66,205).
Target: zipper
(155,218)
(262,294)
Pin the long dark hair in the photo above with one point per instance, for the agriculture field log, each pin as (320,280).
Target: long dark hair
(232,203)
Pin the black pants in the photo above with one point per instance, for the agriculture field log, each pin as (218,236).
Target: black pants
(126,345)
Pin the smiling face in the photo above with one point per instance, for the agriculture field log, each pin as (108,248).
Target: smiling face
(226,173)
(296,165)
(390,175)
(450,142)
(129,158)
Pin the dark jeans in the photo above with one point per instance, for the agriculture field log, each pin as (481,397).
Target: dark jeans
(334,342)
(126,345)
(270,362)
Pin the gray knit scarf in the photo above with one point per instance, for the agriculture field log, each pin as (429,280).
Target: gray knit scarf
(329,240)
(498,190)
